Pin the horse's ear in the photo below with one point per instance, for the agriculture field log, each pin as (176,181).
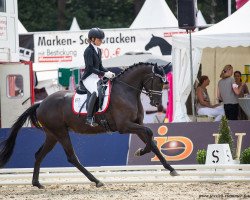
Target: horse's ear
(155,69)
(167,68)
(159,71)
(152,35)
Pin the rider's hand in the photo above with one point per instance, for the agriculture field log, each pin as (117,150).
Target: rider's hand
(109,74)
(113,75)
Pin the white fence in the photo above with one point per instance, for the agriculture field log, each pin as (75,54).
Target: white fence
(128,174)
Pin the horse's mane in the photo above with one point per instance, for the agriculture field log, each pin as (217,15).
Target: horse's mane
(132,67)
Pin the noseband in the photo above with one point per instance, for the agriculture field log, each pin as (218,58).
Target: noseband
(150,93)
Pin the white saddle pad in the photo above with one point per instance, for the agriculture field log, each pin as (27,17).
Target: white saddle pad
(79,99)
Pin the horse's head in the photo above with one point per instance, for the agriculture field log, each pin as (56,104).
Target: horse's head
(153,85)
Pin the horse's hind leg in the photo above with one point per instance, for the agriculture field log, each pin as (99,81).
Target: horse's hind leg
(72,158)
(40,154)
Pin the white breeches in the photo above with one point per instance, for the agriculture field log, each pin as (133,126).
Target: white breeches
(91,83)
(216,112)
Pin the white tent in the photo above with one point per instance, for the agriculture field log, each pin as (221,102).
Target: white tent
(74,26)
(232,32)
(155,14)
(21,28)
(200,21)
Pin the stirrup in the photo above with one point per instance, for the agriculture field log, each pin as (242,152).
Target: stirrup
(91,122)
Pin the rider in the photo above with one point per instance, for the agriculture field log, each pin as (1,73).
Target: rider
(93,70)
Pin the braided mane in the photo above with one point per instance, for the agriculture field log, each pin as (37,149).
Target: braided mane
(132,67)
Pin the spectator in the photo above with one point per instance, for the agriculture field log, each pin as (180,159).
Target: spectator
(160,115)
(238,81)
(228,92)
(204,106)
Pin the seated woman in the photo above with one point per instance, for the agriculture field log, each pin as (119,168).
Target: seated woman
(203,105)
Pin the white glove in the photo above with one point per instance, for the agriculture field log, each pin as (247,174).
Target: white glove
(109,74)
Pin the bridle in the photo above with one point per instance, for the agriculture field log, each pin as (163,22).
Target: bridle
(149,93)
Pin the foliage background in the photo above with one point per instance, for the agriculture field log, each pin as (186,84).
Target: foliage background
(51,15)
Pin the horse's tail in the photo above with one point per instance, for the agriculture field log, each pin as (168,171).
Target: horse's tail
(7,146)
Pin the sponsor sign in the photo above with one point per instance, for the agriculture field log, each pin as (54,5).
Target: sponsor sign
(179,142)
(68,47)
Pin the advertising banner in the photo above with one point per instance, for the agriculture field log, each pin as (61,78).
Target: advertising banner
(91,150)
(179,142)
(67,47)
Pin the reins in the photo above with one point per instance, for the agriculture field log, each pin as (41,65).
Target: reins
(144,92)
(149,93)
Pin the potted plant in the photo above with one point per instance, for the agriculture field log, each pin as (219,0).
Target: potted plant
(225,136)
(201,156)
(245,156)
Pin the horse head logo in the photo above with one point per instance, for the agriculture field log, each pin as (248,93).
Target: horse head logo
(164,46)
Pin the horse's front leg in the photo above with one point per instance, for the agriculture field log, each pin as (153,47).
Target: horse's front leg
(146,135)
(146,149)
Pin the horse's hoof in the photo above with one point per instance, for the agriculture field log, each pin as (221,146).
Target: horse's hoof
(174,173)
(37,184)
(99,184)
(138,152)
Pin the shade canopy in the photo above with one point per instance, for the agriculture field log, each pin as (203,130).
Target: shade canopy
(74,26)
(155,14)
(233,31)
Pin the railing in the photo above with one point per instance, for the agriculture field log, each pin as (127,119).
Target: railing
(128,174)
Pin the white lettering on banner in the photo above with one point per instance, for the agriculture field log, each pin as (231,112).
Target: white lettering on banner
(3,28)
(68,47)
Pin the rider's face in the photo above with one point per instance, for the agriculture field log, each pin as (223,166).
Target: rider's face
(97,41)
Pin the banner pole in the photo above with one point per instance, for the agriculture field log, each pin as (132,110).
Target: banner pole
(191,75)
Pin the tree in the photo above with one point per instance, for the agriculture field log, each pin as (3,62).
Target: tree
(51,15)
(61,4)
(38,15)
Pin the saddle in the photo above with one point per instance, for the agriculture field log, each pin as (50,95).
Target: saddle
(82,95)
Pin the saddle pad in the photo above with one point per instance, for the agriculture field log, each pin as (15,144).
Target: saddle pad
(79,99)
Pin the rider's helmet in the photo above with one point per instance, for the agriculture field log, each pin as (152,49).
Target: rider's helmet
(96,33)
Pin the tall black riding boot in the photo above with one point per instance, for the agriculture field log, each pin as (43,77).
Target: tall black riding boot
(90,119)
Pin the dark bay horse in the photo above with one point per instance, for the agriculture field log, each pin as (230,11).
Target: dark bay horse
(125,114)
